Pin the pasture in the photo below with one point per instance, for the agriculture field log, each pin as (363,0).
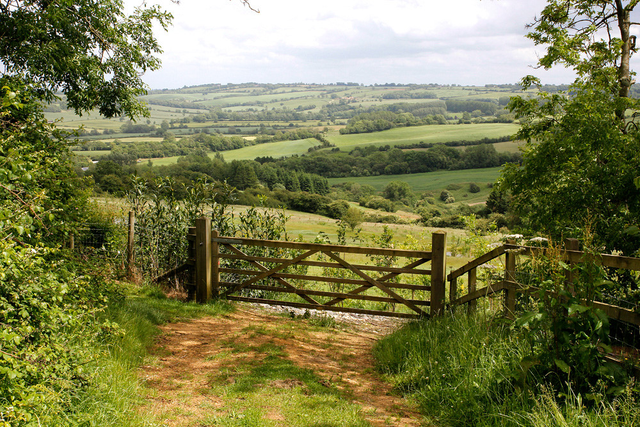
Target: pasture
(430,181)
(417,134)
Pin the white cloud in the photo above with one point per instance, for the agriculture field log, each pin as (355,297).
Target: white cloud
(367,41)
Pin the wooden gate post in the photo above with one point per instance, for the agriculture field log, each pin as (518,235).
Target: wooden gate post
(130,245)
(472,280)
(438,271)
(510,276)
(203,260)
(215,267)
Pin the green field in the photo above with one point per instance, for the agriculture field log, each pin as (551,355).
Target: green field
(433,133)
(430,181)
(409,135)
(93,153)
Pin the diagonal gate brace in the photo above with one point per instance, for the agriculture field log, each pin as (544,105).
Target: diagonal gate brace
(274,270)
(278,279)
(380,279)
(375,283)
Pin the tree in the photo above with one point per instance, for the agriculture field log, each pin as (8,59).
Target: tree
(397,190)
(91,51)
(582,154)
(593,37)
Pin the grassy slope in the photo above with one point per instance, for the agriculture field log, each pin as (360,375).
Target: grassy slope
(431,181)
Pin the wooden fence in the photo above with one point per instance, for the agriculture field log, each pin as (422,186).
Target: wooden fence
(510,286)
(317,276)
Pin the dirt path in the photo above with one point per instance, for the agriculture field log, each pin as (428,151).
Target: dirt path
(254,367)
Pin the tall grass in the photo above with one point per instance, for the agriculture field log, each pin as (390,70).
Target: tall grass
(459,368)
(464,370)
(550,411)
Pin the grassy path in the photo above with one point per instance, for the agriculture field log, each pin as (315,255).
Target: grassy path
(256,368)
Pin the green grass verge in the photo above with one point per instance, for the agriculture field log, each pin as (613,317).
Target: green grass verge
(463,370)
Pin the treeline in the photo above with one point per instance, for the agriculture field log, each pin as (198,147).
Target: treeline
(488,108)
(201,142)
(409,95)
(259,185)
(459,143)
(373,161)
(112,175)
(344,109)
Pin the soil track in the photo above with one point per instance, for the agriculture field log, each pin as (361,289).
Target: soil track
(190,354)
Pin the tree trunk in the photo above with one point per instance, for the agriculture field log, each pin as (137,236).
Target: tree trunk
(628,43)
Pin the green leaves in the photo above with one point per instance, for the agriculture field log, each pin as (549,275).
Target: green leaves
(90,50)
(562,365)
(581,160)
(568,336)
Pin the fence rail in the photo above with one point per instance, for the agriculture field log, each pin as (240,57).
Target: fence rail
(510,286)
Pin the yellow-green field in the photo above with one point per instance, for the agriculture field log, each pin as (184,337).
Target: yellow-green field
(417,134)
(430,181)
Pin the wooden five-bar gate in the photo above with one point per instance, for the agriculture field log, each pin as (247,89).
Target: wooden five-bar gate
(318,276)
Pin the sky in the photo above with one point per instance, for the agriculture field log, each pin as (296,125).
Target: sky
(464,42)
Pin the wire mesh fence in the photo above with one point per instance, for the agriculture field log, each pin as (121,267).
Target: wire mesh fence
(154,249)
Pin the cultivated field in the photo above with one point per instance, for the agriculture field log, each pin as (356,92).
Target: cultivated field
(433,181)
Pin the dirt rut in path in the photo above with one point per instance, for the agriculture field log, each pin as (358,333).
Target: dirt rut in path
(206,369)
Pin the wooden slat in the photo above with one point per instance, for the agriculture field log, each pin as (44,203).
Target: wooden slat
(278,279)
(342,295)
(376,283)
(481,293)
(324,308)
(326,279)
(273,270)
(477,262)
(389,285)
(325,248)
(619,313)
(615,261)
(384,279)
(398,270)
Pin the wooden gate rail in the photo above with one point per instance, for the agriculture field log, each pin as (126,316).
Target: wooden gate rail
(208,249)
(510,286)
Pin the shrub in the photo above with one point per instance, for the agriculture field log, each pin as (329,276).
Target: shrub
(337,209)
(474,188)
(377,202)
(444,195)
(49,321)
